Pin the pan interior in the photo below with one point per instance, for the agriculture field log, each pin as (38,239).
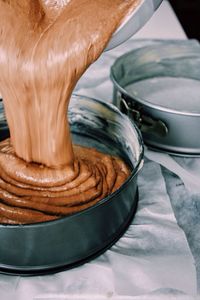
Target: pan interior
(177,93)
(161,74)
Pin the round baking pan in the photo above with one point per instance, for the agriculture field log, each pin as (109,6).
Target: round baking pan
(48,247)
(134,22)
(169,125)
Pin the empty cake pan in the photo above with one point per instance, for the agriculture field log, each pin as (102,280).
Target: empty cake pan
(64,243)
(158,86)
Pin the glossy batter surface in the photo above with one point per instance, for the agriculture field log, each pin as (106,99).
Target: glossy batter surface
(45,46)
(32,193)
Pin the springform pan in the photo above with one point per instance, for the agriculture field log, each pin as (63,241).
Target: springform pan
(158,86)
(49,247)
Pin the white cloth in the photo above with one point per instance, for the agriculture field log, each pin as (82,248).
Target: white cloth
(185,168)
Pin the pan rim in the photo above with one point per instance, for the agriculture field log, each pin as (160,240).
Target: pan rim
(149,104)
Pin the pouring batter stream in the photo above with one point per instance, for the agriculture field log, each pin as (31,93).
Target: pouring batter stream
(45,47)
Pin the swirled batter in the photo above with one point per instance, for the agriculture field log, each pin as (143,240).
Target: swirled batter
(45,47)
(33,193)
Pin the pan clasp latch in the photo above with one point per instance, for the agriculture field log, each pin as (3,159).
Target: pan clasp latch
(144,122)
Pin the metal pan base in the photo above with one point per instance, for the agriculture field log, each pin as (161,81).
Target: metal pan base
(25,273)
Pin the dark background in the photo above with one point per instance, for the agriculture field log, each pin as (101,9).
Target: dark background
(188,12)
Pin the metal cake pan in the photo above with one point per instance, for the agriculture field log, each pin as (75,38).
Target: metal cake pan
(169,128)
(48,247)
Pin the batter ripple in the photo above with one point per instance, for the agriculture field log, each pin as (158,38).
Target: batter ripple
(32,193)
